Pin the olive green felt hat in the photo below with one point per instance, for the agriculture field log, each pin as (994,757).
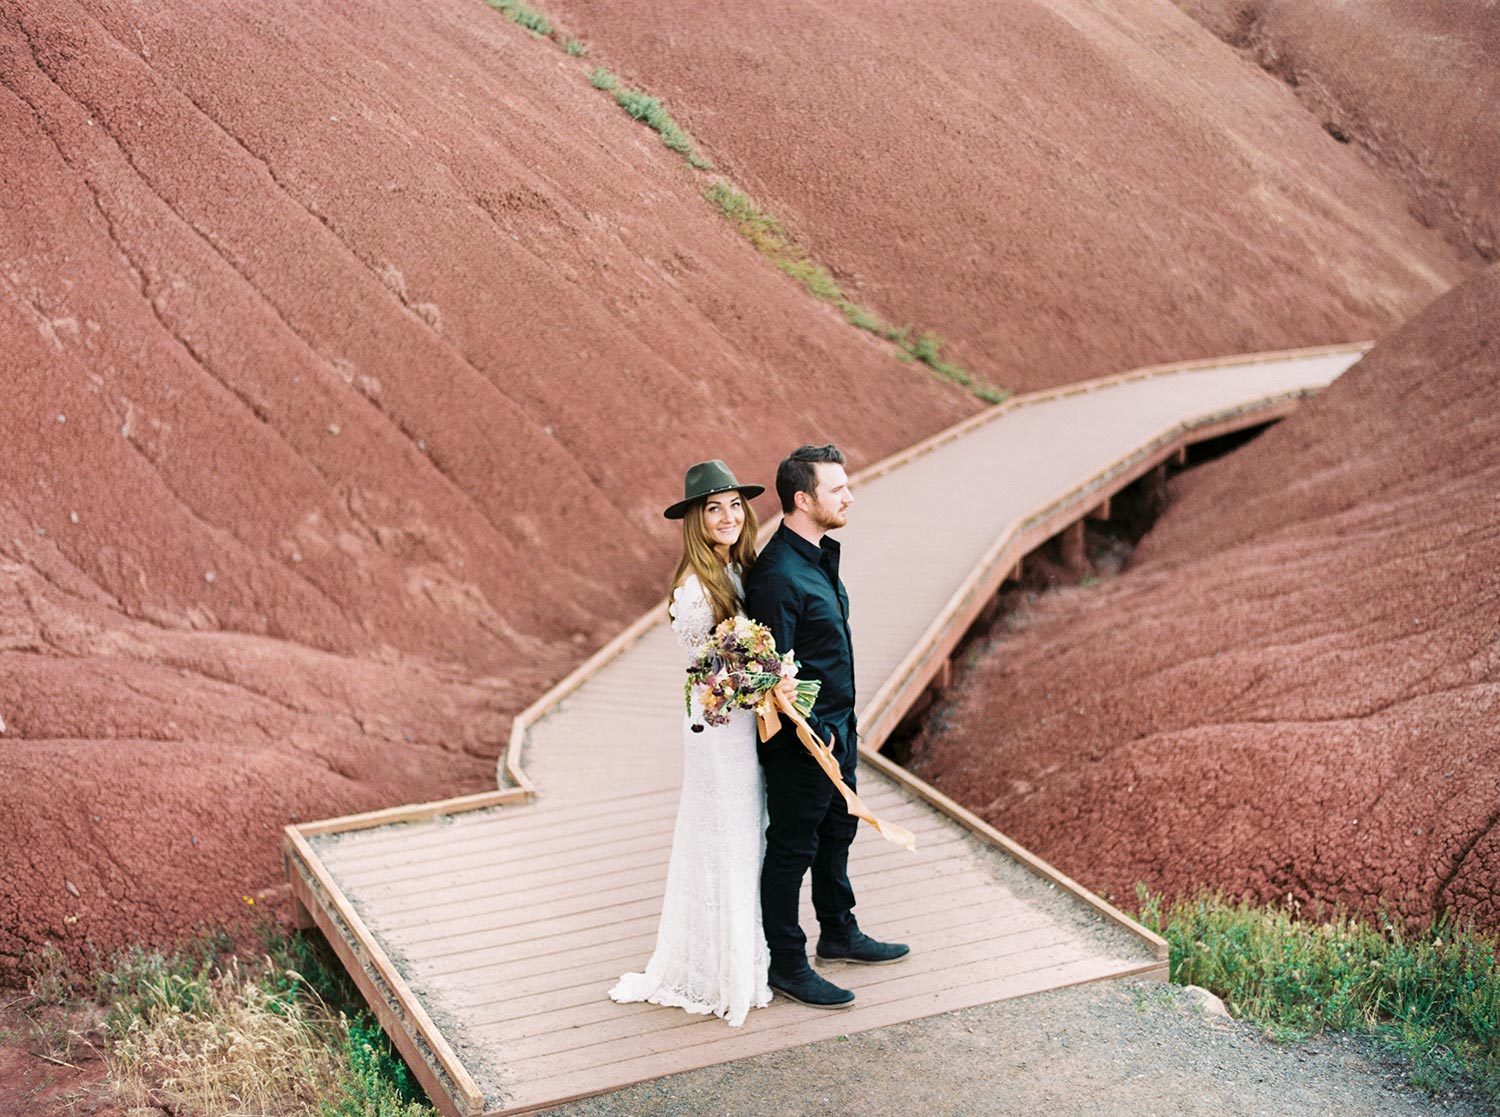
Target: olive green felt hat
(705,479)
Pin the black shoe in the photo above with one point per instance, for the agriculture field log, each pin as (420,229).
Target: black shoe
(810,989)
(863,949)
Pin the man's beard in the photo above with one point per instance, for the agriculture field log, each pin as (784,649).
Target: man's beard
(828,521)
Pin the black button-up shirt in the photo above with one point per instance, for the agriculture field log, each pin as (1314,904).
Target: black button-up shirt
(794,590)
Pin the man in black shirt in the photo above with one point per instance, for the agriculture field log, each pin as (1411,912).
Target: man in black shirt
(794,589)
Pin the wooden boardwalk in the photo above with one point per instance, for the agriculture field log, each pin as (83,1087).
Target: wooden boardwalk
(485,931)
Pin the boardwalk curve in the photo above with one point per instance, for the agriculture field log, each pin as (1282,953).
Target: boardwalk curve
(485,930)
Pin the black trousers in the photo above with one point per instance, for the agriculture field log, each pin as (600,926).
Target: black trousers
(809,828)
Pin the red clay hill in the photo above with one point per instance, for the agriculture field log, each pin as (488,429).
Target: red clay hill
(349,351)
(1295,687)
(1415,84)
(1061,188)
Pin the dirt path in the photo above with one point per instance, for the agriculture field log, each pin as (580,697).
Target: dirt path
(1119,1048)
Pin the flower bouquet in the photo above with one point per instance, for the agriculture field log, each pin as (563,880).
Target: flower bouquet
(736,668)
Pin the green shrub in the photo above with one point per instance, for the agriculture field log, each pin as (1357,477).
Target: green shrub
(649,111)
(600,78)
(529,18)
(375,1082)
(1434,996)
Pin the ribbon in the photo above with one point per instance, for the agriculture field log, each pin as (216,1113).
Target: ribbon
(768,714)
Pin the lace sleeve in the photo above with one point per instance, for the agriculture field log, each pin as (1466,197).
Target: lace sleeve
(692,614)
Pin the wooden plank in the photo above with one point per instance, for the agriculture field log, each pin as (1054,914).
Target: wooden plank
(903,687)
(415,812)
(530,815)
(642,877)
(1026,954)
(512,830)
(462,939)
(534,1093)
(586,1003)
(496,989)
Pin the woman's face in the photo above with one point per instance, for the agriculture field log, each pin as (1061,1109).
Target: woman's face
(723,517)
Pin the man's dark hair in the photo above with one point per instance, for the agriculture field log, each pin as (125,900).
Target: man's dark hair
(799,473)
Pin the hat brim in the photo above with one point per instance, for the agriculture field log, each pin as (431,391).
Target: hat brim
(679,510)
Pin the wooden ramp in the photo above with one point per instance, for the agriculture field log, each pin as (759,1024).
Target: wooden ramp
(485,931)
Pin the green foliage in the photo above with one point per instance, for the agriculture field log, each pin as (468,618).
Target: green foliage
(1435,997)
(376,1083)
(769,238)
(649,111)
(140,982)
(600,78)
(305,962)
(575,49)
(529,18)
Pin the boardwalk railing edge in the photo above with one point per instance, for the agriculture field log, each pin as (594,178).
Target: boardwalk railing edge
(509,767)
(319,902)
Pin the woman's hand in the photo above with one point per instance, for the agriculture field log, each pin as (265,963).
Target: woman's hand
(787,688)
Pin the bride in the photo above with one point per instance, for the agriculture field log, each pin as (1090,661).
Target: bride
(710,951)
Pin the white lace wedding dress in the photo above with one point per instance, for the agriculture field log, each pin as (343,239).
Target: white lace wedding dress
(710,951)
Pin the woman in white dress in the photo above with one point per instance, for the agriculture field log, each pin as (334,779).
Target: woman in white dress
(710,951)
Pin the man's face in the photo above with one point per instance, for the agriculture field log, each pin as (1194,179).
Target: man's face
(829,506)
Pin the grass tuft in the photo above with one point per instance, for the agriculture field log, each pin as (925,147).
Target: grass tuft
(50,977)
(575,49)
(652,113)
(771,240)
(219,1043)
(199,1032)
(1433,997)
(528,17)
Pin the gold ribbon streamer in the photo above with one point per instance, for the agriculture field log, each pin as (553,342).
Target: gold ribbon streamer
(768,714)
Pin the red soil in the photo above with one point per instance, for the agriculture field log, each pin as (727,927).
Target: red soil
(1413,82)
(1063,189)
(350,353)
(1295,688)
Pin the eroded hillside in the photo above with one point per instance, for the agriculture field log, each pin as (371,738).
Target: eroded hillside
(1062,189)
(1295,688)
(1412,83)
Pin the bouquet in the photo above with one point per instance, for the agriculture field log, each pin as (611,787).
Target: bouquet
(736,669)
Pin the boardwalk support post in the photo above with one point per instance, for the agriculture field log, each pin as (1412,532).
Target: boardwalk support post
(1074,555)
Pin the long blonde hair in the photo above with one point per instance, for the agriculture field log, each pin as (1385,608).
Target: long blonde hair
(698,558)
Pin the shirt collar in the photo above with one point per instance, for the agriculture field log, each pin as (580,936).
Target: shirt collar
(810,551)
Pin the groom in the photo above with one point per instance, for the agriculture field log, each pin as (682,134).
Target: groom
(794,589)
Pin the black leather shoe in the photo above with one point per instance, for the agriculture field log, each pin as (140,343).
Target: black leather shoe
(810,989)
(863,949)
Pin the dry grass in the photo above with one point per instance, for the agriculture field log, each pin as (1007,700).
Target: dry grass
(228,1046)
